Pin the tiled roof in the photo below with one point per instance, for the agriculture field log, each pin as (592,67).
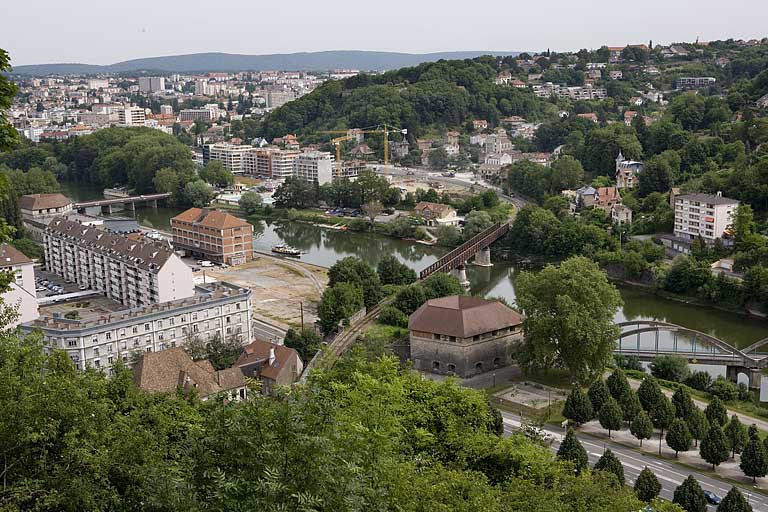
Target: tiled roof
(215,219)
(43,201)
(438,208)
(150,255)
(462,316)
(258,351)
(9,255)
(168,370)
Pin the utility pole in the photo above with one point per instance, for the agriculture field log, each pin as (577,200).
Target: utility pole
(301,308)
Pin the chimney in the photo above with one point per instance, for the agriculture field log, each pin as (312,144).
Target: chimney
(271,356)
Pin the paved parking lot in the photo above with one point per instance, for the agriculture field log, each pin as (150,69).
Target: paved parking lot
(42,275)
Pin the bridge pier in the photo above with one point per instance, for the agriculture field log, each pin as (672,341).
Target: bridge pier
(460,273)
(483,257)
(106,208)
(153,203)
(130,205)
(754,375)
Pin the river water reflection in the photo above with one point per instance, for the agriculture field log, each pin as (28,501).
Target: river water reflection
(322,246)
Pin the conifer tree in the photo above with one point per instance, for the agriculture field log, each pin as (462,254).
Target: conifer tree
(650,394)
(577,407)
(679,437)
(571,449)
(610,416)
(754,460)
(690,496)
(736,434)
(617,384)
(716,412)
(662,416)
(598,394)
(610,463)
(698,424)
(647,486)
(683,402)
(630,406)
(641,427)
(734,501)
(714,446)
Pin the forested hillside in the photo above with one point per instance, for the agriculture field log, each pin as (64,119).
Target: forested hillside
(444,94)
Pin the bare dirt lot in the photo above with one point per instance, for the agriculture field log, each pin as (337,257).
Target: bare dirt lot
(279,286)
(536,396)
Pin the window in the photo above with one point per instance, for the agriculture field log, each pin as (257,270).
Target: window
(109,336)
(435,366)
(160,336)
(71,343)
(149,349)
(229,330)
(110,359)
(146,327)
(451,367)
(135,329)
(479,366)
(96,352)
(159,324)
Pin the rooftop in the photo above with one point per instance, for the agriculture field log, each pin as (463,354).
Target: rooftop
(216,219)
(258,352)
(9,255)
(706,198)
(43,201)
(463,316)
(149,255)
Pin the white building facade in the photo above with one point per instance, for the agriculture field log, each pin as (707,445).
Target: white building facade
(314,166)
(21,294)
(703,215)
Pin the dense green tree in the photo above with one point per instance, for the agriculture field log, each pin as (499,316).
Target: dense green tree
(567,173)
(339,303)
(650,394)
(668,367)
(569,318)
(438,159)
(304,341)
(610,416)
(683,402)
(250,202)
(577,407)
(410,298)
(441,284)
(8,134)
(295,193)
(647,486)
(716,412)
(571,450)
(216,174)
(679,437)
(475,223)
(609,463)
(690,496)
(598,394)
(390,315)
(714,446)
(734,501)
(754,459)
(736,434)
(391,271)
(198,194)
(356,271)
(618,385)
(641,426)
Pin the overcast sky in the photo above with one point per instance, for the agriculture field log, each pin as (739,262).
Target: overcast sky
(107,31)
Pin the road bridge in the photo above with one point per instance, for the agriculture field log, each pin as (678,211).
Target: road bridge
(128,202)
(694,346)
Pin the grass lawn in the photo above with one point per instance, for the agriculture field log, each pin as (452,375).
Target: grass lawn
(388,333)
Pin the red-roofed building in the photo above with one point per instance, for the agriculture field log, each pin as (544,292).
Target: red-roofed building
(272,364)
(214,235)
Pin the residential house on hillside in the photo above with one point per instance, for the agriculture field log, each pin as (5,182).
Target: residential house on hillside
(621,214)
(272,364)
(362,151)
(589,115)
(21,292)
(173,369)
(627,172)
(607,198)
(480,124)
(586,197)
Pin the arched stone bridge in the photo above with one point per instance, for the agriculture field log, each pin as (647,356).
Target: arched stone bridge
(695,346)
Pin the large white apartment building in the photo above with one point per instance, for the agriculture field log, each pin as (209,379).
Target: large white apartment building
(703,215)
(695,82)
(314,166)
(21,294)
(128,271)
(100,339)
(270,162)
(230,155)
(131,116)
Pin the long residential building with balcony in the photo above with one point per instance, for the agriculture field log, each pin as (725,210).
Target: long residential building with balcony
(100,339)
(706,216)
(230,155)
(214,235)
(131,272)
(270,162)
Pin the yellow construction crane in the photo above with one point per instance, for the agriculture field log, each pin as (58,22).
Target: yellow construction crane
(352,133)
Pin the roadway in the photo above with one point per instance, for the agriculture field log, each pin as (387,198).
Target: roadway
(670,474)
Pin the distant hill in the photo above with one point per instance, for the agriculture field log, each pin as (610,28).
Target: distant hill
(315,61)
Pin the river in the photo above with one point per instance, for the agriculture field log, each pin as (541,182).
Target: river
(324,247)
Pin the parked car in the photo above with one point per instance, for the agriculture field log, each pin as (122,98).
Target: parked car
(712,498)
(206,263)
